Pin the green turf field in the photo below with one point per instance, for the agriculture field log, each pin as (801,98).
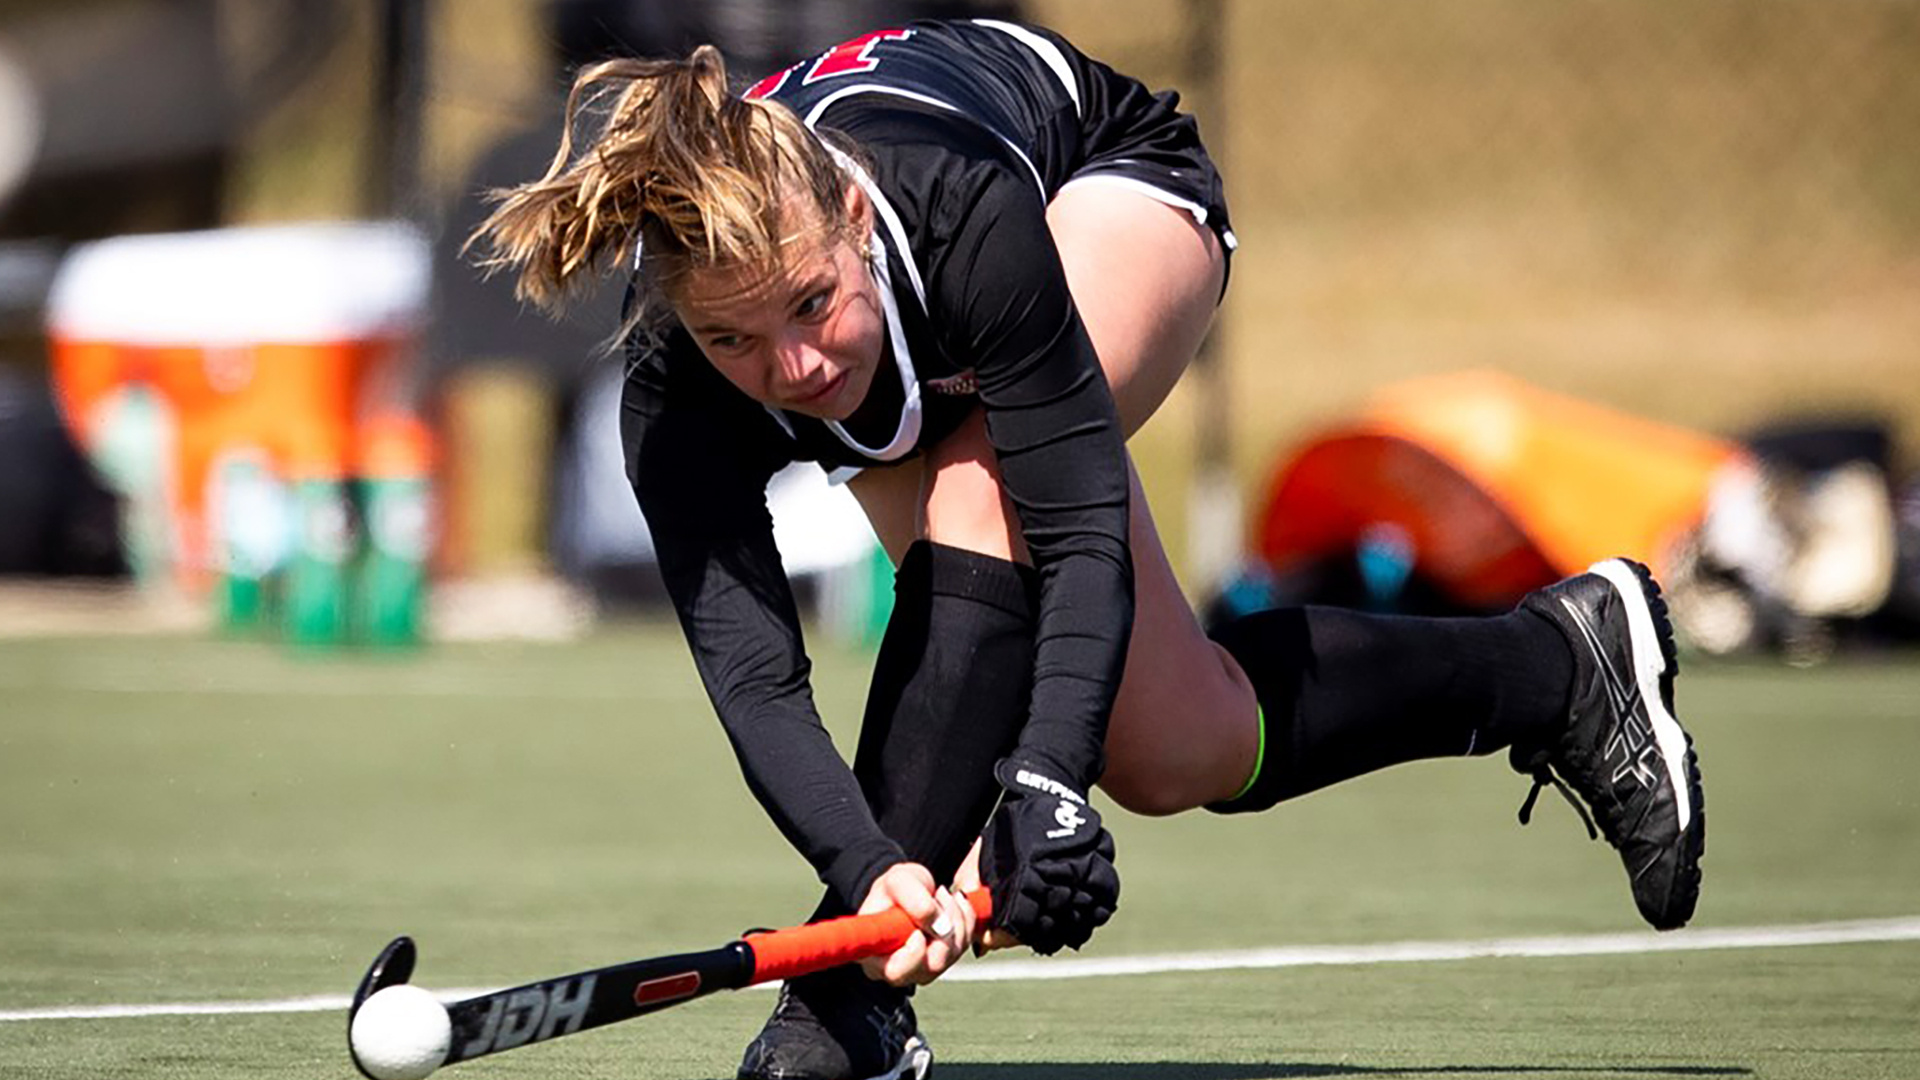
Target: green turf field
(190,821)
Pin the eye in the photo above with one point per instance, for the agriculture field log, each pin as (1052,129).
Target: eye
(725,343)
(814,305)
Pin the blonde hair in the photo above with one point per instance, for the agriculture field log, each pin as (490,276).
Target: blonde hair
(697,175)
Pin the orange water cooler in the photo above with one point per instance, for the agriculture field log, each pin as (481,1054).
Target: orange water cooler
(244,388)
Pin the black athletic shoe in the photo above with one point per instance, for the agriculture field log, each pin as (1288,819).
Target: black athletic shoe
(1622,749)
(839,1025)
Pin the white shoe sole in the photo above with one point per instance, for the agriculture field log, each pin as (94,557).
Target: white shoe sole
(916,1061)
(1649,664)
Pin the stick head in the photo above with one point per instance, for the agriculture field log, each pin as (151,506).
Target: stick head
(393,967)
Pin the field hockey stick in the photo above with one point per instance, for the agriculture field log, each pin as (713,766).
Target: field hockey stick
(551,1008)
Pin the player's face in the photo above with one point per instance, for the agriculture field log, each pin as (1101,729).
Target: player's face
(805,337)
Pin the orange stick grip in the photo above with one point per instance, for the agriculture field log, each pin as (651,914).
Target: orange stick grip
(799,950)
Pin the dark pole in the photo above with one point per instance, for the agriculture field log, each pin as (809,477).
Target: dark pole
(1213,509)
(393,173)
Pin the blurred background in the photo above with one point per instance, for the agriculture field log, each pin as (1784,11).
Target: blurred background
(1520,285)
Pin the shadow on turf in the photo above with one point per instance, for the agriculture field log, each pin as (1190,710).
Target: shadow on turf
(1298,1071)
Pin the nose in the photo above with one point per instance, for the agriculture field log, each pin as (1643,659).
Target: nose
(798,365)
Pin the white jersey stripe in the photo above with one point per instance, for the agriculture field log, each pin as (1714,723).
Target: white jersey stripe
(813,114)
(1048,52)
(907,435)
(888,216)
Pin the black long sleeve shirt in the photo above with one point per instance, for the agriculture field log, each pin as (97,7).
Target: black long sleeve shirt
(979,316)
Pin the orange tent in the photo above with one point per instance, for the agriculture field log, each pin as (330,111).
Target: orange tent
(1494,487)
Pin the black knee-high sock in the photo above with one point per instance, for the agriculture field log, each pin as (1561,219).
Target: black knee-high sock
(1343,693)
(949,695)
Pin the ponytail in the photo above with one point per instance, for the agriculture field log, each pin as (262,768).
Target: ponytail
(671,158)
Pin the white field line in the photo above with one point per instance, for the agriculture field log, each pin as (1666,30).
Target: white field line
(1003,970)
(1402,952)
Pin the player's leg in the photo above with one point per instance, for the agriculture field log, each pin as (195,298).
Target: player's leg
(1578,680)
(1284,703)
(1186,729)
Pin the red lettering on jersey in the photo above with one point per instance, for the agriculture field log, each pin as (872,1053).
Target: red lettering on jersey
(854,56)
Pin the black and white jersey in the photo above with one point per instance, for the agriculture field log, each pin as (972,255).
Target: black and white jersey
(966,130)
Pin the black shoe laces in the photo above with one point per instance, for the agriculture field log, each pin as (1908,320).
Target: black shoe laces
(1543,776)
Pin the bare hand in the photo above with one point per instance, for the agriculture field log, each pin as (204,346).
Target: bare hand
(945,921)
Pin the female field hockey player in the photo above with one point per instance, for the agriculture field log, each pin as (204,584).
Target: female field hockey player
(957,264)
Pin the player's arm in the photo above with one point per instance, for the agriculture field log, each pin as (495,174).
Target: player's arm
(1056,433)
(699,468)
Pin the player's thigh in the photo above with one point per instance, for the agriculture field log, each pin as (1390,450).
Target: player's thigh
(1183,731)
(1146,278)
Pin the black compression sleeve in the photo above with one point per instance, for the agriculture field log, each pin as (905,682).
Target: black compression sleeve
(1053,425)
(1456,687)
(701,481)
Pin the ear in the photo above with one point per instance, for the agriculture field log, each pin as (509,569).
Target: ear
(858,207)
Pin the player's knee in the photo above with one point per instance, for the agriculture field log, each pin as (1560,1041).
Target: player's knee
(1147,791)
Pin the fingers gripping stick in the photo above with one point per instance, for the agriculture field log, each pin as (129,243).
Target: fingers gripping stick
(401,1038)
(784,954)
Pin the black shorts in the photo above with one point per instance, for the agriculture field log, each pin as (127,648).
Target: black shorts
(1140,140)
(1072,119)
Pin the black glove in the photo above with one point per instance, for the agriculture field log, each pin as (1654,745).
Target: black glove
(1047,860)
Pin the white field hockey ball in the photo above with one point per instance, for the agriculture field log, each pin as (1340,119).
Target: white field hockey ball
(401,1033)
